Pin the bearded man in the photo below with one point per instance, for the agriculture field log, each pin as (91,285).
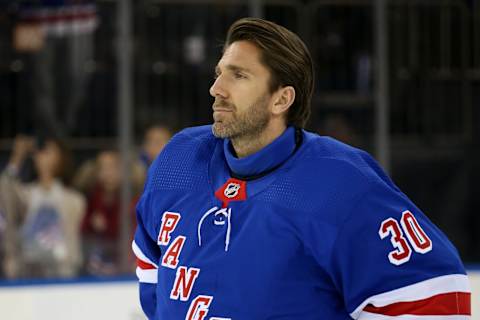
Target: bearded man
(254,218)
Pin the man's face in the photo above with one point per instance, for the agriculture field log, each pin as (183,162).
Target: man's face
(242,97)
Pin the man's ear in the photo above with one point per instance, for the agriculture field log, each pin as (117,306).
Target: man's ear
(284,98)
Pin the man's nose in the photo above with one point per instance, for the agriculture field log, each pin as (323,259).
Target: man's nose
(217,89)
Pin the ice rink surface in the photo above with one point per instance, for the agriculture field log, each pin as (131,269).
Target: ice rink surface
(98,300)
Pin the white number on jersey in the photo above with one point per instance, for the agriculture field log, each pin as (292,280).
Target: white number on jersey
(416,236)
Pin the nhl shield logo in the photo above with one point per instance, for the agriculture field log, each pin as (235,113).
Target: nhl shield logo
(231,191)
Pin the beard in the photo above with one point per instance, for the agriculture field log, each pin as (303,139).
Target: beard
(248,123)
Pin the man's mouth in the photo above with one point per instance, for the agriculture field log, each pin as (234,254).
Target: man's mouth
(222,107)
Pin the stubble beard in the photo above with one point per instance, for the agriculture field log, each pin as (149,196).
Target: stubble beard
(246,125)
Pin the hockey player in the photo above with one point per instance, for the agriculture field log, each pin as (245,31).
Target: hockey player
(254,218)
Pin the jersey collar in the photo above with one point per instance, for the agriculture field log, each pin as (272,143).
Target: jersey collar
(266,159)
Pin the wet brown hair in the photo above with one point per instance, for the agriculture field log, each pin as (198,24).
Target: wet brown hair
(287,58)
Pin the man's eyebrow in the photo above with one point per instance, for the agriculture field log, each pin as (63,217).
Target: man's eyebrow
(233,67)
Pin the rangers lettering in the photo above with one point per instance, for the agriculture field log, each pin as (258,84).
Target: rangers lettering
(199,308)
(184,283)
(170,259)
(169,223)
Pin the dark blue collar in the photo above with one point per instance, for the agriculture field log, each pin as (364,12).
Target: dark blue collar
(264,160)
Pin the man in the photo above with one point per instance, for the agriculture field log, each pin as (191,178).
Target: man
(255,218)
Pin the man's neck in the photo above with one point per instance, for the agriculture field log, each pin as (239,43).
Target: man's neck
(247,145)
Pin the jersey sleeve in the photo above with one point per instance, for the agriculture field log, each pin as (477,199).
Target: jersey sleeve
(147,254)
(390,262)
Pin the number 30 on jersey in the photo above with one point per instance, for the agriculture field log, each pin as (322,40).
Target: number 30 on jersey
(417,238)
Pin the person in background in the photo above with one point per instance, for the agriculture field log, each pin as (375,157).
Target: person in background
(154,140)
(100,226)
(43,217)
(100,179)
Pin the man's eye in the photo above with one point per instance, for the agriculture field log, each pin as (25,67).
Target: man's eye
(215,76)
(238,75)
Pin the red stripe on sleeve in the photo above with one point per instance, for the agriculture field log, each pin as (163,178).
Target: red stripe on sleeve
(453,303)
(144,265)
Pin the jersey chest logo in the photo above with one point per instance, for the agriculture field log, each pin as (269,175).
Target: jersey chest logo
(231,191)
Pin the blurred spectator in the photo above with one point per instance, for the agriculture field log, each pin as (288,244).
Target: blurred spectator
(56,37)
(154,140)
(100,179)
(42,218)
(100,227)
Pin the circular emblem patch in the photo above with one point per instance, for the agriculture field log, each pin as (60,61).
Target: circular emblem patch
(231,191)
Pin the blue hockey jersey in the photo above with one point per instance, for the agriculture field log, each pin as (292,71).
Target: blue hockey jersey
(317,231)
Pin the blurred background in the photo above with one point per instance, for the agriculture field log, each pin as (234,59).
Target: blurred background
(90,92)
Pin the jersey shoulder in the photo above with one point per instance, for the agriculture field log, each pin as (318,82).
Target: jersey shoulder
(337,161)
(326,175)
(183,163)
